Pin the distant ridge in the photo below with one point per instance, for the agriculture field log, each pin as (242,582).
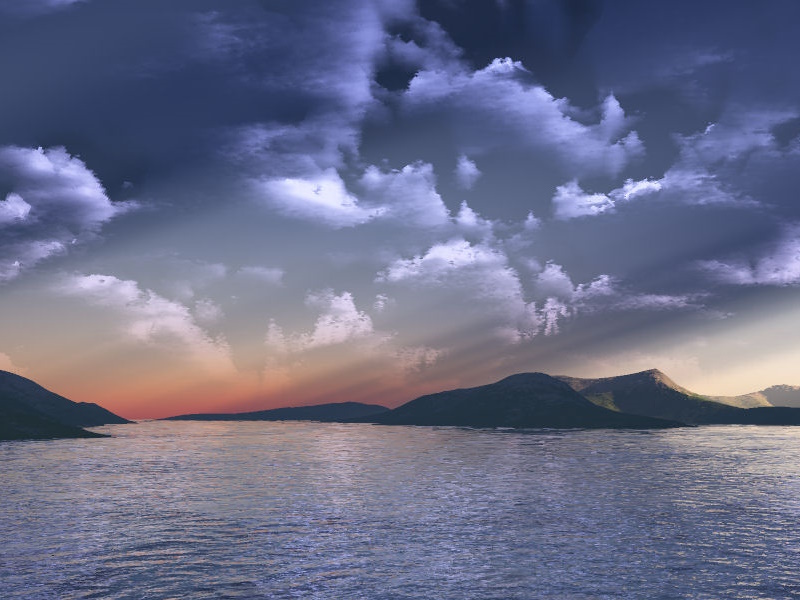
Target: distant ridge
(331,412)
(29,411)
(525,400)
(649,393)
(644,400)
(776,395)
(652,393)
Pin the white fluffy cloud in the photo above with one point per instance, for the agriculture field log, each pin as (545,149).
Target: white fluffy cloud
(478,275)
(13,209)
(571,202)
(494,107)
(55,202)
(466,276)
(145,317)
(406,196)
(339,320)
(342,331)
(323,198)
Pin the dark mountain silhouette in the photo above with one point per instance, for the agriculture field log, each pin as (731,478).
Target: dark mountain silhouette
(651,393)
(29,411)
(23,424)
(333,412)
(24,392)
(523,400)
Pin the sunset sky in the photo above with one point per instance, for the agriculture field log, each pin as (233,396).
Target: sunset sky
(236,205)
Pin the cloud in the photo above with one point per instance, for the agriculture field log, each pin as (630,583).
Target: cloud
(323,198)
(777,266)
(571,202)
(319,74)
(381,302)
(342,332)
(469,222)
(464,278)
(406,196)
(442,260)
(708,170)
(339,320)
(417,358)
(634,189)
(207,312)
(268,150)
(711,163)
(467,172)
(6,364)
(145,317)
(55,202)
(561,299)
(13,209)
(497,107)
(553,282)
(459,282)
(698,186)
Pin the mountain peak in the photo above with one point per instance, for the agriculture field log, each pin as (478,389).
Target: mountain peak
(782,388)
(657,376)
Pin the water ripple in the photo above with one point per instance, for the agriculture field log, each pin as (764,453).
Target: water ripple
(309,510)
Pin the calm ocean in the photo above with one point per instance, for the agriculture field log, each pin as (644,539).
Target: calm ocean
(308,510)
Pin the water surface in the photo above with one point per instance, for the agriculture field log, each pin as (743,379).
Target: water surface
(311,510)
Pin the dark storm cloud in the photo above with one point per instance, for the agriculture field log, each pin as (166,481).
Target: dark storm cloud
(544,34)
(142,90)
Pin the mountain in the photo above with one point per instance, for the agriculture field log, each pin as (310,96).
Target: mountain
(333,412)
(19,391)
(23,424)
(777,395)
(29,411)
(650,393)
(523,400)
(752,400)
(653,394)
(782,395)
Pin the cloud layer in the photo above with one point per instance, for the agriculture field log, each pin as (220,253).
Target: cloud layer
(390,197)
(54,202)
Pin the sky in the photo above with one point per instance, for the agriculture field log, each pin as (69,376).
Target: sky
(229,206)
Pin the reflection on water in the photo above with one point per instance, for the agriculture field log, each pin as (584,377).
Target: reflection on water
(310,510)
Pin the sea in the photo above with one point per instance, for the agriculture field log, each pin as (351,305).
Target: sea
(185,510)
